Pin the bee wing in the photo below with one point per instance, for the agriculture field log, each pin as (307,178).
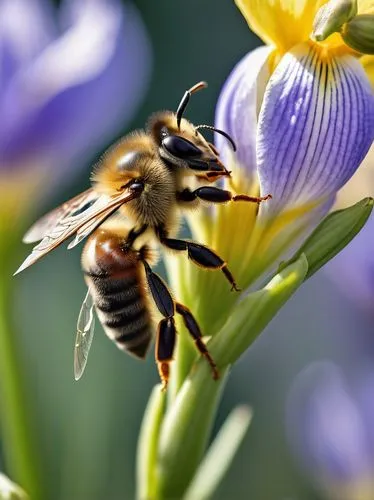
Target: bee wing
(82,223)
(46,223)
(85,332)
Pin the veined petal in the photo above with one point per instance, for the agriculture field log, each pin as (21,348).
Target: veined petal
(238,106)
(283,23)
(315,127)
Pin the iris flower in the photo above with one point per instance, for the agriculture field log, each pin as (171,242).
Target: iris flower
(301,113)
(330,428)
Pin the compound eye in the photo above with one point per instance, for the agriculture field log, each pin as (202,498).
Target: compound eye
(180,147)
(128,161)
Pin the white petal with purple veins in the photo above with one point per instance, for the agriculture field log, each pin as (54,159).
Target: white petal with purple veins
(238,107)
(315,127)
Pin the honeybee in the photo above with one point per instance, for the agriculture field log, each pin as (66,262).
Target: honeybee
(139,187)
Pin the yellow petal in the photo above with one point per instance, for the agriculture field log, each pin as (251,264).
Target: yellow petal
(365,6)
(283,23)
(368,64)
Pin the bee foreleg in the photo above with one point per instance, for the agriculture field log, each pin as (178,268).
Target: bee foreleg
(217,195)
(195,332)
(200,255)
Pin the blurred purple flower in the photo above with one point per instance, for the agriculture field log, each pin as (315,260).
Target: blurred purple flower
(353,268)
(69,79)
(330,426)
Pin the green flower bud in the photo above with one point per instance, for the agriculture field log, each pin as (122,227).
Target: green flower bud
(331,17)
(359,33)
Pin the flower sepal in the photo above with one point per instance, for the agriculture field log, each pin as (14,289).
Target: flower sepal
(332,235)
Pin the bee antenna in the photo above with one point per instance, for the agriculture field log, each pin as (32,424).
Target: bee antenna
(225,134)
(184,101)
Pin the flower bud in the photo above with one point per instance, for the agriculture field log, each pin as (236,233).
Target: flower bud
(331,17)
(359,33)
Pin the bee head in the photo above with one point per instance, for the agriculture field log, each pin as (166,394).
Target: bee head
(181,144)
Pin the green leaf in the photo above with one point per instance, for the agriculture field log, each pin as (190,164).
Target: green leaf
(148,443)
(251,315)
(333,234)
(185,432)
(220,455)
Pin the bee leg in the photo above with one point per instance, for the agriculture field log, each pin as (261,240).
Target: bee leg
(166,331)
(212,175)
(217,195)
(195,332)
(165,343)
(200,255)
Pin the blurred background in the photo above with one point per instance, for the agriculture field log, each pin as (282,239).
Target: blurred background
(88,430)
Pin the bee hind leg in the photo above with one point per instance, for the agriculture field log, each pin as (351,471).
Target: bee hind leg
(166,331)
(195,332)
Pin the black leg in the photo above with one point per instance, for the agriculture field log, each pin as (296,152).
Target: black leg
(165,343)
(200,255)
(194,330)
(166,332)
(217,195)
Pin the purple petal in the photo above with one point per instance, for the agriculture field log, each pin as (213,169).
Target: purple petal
(315,127)
(27,26)
(325,425)
(80,89)
(237,108)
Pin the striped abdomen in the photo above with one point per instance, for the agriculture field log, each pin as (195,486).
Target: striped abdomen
(115,278)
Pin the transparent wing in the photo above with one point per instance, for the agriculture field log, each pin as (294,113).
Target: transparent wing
(82,223)
(45,224)
(85,332)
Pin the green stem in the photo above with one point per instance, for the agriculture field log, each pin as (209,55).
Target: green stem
(21,453)
(185,432)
